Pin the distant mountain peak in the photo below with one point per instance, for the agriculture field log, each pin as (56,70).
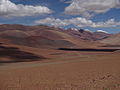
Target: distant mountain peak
(102,31)
(74,29)
(81,30)
(87,30)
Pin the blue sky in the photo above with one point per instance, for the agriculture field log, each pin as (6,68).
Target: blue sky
(88,14)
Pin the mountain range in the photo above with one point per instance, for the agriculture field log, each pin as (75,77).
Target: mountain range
(39,42)
(50,37)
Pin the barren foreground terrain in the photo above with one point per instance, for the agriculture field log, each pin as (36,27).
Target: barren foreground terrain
(69,71)
(49,58)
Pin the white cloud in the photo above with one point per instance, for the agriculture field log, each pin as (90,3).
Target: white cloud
(78,21)
(88,8)
(52,21)
(8,8)
(108,23)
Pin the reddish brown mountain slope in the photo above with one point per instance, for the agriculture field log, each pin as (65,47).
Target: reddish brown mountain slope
(48,37)
(112,40)
(87,35)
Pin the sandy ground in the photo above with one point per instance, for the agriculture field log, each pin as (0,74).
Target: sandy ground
(71,71)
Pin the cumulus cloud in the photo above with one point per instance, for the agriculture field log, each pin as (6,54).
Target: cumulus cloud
(8,8)
(88,8)
(52,21)
(78,22)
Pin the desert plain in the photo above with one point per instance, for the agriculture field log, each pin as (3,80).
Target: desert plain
(86,66)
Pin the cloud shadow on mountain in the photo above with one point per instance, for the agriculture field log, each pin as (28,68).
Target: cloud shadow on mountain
(88,50)
(17,55)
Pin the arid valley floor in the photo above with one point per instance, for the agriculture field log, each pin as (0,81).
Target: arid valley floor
(65,71)
(87,66)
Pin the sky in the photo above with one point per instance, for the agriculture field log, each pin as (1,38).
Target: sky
(86,14)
